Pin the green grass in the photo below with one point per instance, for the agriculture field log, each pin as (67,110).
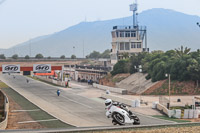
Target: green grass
(170,119)
(36,115)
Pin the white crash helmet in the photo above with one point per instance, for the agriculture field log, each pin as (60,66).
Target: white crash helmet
(108,102)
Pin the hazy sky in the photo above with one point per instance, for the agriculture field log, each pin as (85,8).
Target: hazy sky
(21,20)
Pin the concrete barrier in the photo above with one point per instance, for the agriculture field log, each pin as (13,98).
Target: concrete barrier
(170,113)
(4,123)
(111,89)
(163,109)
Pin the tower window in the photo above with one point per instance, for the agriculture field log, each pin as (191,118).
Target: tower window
(127,46)
(133,45)
(121,34)
(121,46)
(133,34)
(127,34)
(139,45)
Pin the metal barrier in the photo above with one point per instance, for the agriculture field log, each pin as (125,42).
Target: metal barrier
(3,124)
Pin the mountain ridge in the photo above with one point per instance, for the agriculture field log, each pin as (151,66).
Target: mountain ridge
(167,29)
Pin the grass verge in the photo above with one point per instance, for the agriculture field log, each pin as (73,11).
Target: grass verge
(27,105)
(170,119)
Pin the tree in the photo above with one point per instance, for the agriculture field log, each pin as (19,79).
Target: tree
(122,66)
(94,55)
(62,57)
(181,51)
(73,57)
(105,54)
(194,69)
(27,57)
(2,56)
(15,56)
(49,57)
(39,56)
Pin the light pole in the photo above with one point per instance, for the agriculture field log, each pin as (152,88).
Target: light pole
(168,75)
(139,69)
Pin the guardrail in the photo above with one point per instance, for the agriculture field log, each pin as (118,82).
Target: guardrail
(111,89)
(111,128)
(3,124)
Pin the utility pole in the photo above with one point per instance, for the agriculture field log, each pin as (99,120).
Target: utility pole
(168,75)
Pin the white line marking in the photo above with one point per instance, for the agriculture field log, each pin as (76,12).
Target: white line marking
(77,102)
(37,121)
(25,110)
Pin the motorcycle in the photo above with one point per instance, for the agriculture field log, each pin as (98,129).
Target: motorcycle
(121,115)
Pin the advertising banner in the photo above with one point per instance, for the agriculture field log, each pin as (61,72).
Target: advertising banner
(42,68)
(11,68)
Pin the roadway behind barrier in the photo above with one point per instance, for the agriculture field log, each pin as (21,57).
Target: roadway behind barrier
(132,103)
(59,83)
(3,124)
(111,89)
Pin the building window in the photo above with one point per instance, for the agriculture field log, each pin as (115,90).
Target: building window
(133,34)
(139,45)
(121,34)
(127,34)
(133,45)
(127,46)
(121,46)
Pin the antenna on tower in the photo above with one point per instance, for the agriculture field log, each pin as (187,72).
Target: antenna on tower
(133,8)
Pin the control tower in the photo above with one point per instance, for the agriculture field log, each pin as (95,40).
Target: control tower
(128,39)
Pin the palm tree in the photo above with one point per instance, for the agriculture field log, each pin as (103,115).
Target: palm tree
(180,52)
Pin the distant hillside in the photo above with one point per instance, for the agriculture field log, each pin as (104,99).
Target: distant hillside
(167,29)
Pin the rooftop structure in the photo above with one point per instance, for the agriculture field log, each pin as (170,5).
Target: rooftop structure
(127,40)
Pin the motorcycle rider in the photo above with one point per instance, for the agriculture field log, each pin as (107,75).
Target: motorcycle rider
(109,103)
(120,116)
(58,92)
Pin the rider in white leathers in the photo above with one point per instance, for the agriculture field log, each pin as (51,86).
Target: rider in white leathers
(120,113)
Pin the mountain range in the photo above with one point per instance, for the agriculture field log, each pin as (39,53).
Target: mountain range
(166,29)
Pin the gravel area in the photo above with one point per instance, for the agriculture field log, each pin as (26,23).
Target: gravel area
(193,129)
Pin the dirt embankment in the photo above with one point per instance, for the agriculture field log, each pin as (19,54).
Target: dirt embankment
(111,81)
(177,88)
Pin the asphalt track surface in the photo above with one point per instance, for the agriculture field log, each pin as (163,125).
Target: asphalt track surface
(69,107)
